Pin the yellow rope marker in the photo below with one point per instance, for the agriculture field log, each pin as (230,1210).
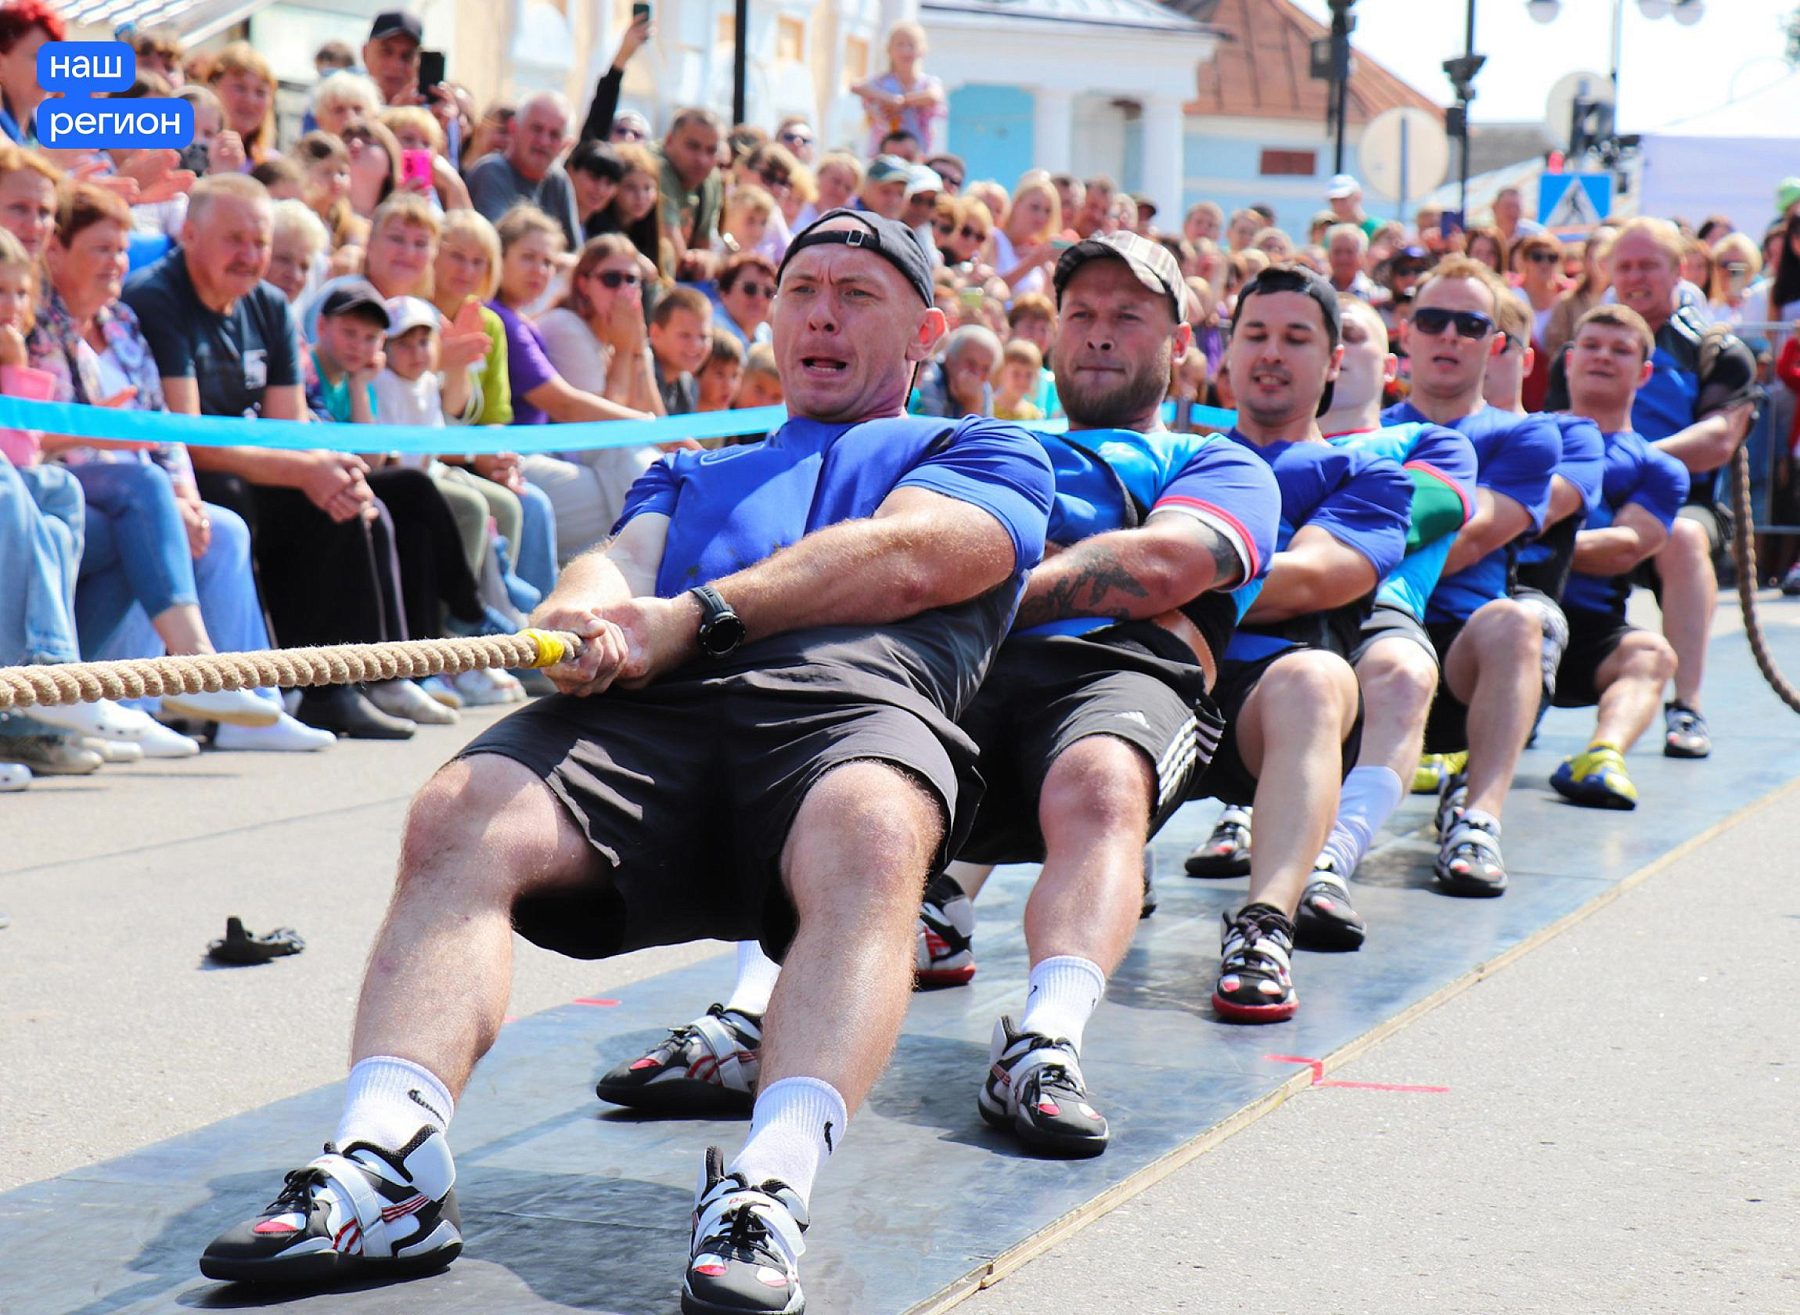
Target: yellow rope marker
(338,664)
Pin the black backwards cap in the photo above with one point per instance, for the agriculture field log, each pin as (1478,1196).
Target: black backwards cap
(890,239)
(1298,278)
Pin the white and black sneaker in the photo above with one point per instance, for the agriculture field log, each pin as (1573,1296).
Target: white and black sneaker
(1326,919)
(746,1246)
(1256,983)
(1468,861)
(1034,1090)
(360,1213)
(945,947)
(1226,852)
(708,1066)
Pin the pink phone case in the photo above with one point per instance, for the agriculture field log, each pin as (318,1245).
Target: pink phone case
(416,164)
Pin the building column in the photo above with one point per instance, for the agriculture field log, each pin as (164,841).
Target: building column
(1165,127)
(1052,127)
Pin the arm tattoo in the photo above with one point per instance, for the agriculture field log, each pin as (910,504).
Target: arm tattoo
(1228,568)
(1098,586)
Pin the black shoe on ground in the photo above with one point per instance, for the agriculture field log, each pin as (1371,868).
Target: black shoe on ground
(1256,982)
(1035,1091)
(747,1243)
(1226,852)
(358,1214)
(344,710)
(1684,733)
(1326,919)
(708,1066)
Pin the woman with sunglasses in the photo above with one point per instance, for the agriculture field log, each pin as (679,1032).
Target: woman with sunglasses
(1538,261)
(746,290)
(962,228)
(596,343)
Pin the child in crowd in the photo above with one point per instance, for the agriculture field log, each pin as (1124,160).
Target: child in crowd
(407,389)
(1020,366)
(1032,319)
(761,383)
(748,213)
(347,357)
(721,373)
(680,341)
(906,98)
(215,148)
(839,178)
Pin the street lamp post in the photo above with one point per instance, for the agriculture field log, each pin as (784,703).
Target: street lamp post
(1462,71)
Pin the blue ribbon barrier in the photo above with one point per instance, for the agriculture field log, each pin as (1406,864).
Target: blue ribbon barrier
(80,421)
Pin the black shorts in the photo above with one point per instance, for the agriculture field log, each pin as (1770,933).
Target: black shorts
(1226,778)
(1447,728)
(1389,622)
(687,789)
(1135,682)
(1593,637)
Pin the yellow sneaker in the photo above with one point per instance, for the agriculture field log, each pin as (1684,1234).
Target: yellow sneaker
(1428,778)
(1595,779)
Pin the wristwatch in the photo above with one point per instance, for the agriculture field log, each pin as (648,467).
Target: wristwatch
(721,629)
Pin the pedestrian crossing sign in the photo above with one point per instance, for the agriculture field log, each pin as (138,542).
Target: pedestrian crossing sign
(1573,203)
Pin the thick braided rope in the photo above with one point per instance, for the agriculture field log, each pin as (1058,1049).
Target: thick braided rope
(1743,544)
(341,664)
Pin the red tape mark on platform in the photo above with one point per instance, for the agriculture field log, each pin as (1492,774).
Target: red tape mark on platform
(1318,1077)
(601,1004)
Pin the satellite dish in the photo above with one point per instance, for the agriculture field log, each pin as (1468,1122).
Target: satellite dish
(1427,153)
(1559,110)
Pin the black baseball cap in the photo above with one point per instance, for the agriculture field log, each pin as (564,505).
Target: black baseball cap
(1298,278)
(356,297)
(890,239)
(394,22)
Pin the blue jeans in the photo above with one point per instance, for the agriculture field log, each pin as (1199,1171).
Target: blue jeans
(228,602)
(41,535)
(535,552)
(137,548)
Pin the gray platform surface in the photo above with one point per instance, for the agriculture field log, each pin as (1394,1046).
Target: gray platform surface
(569,1208)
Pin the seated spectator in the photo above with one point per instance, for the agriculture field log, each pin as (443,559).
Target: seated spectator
(962,230)
(797,135)
(959,385)
(159,51)
(633,211)
(721,373)
(952,169)
(325,168)
(417,129)
(595,171)
(802,199)
(333,57)
(1346,248)
(374,165)
(1021,363)
(530,246)
(24,26)
(1488,245)
(527,170)
(840,180)
(680,339)
(1204,220)
(245,85)
(351,323)
(884,187)
(298,244)
(746,291)
(1242,231)
(342,100)
(597,342)
(1736,265)
(1032,319)
(1589,287)
(1538,257)
(749,210)
(692,192)
(1025,247)
(1096,214)
(902,145)
(1275,244)
(629,129)
(761,384)
(215,149)
(407,390)
(281,178)
(773,168)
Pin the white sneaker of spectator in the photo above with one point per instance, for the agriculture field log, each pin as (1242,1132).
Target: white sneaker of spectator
(105,720)
(14,776)
(402,698)
(285,736)
(486,688)
(230,707)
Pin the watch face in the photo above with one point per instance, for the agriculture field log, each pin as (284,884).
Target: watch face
(722,634)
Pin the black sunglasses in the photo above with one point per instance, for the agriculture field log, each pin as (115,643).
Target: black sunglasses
(949,230)
(1544,257)
(797,138)
(1470,324)
(753,289)
(775,180)
(618,278)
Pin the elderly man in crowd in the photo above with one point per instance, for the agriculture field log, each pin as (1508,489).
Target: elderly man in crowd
(527,170)
(805,617)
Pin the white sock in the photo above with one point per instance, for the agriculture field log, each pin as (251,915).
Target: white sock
(388,1099)
(797,1124)
(1063,993)
(756,974)
(1370,796)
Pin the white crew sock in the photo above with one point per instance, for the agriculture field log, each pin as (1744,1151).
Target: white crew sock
(1063,993)
(388,1099)
(1370,796)
(797,1124)
(756,974)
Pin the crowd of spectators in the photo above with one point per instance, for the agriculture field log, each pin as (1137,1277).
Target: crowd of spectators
(409,258)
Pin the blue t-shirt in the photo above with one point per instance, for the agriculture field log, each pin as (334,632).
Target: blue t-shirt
(1544,561)
(1361,499)
(1113,479)
(1635,472)
(1515,456)
(1433,451)
(736,506)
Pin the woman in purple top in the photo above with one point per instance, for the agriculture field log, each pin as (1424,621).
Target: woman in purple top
(530,245)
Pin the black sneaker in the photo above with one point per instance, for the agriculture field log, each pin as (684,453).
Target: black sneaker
(1034,1090)
(1149,905)
(1684,732)
(1256,984)
(708,1066)
(1226,852)
(1326,919)
(944,949)
(359,1213)
(746,1246)
(1468,862)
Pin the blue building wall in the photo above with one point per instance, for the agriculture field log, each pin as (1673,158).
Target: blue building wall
(991,128)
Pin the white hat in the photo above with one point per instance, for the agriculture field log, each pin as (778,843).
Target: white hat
(924,179)
(405,313)
(1340,186)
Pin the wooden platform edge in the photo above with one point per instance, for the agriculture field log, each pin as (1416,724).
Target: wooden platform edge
(1014,1258)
